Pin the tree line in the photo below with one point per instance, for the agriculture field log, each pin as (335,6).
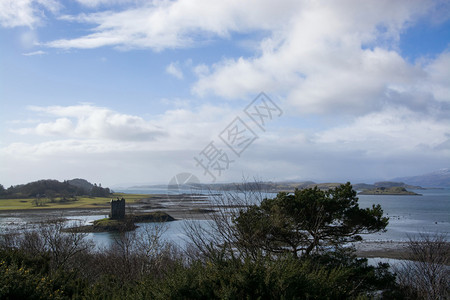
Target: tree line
(54,189)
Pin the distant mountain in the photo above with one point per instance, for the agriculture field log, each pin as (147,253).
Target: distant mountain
(275,187)
(437,179)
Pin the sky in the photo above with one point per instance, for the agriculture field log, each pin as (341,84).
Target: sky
(124,92)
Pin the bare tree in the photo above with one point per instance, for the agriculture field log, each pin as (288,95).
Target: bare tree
(136,253)
(220,235)
(425,272)
(150,246)
(49,238)
(9,239)
(63,246)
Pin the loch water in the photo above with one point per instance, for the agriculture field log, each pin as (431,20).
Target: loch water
(408,216)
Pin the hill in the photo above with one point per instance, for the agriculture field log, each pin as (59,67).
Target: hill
(82,184)
(436,179)
(51,188)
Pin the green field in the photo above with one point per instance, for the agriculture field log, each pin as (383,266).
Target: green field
(81,202)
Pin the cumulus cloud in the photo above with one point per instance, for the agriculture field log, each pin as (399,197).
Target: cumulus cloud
(175,70)
(393,130)
(92,127)
(92,122)
(339,57)
(438,77)
(14,13)
(322,57)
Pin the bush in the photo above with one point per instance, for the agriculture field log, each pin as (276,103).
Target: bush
(19,281)
(286,277)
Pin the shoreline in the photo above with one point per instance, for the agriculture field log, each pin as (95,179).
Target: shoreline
(382,249)
(183,207)
(364,249)
(385,249)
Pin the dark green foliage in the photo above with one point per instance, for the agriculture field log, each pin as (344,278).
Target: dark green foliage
(40,188)
(2,190)
(98,191)
(53,188)
(82,184)
(318,277)
(284,278)
(26,277)
(23,259)
(307,221)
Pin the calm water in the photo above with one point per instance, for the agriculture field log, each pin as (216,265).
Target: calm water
(408,215)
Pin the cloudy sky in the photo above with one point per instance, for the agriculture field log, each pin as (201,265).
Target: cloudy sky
(130,91)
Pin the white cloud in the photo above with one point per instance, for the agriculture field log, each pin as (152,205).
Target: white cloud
(438,77)
(61,126)
(322,57)
(201,70)
(394,130)
(180,128)
(175,70)
(34,53)
(14,13)
(177,24)
(334,57)
(97,3)
(90,122)
(88,140)
(83,142)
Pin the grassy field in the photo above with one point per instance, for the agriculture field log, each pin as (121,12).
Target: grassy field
(81,202)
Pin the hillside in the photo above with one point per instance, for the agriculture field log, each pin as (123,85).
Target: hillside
(437,179)
(82,184)
(50,188)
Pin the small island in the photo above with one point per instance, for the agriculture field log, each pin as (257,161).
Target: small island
(128,223)
(395,190)
(118,221)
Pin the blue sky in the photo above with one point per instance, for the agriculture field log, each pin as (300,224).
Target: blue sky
(129,91)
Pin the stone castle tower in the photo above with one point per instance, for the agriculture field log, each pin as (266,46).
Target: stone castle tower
(117,209)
